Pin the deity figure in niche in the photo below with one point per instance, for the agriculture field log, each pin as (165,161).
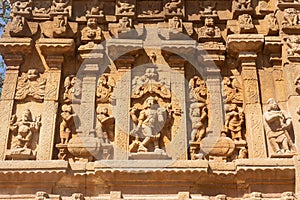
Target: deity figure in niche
(277,125)
(175,24)
(174,7)
(24,130)
(30,85)
(149,124)
(67,126)
(198,89)
(245,23)
(107,125)
(60,5)
(234,120)
(199,118)
(60,25)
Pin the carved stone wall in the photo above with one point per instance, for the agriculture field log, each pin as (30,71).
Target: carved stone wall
(176,97)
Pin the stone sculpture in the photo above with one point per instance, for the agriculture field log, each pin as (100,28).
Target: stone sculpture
(72,88)
(174,7)
(297,84)
(92,31)
(31,85)
(125,7)
(209,30)
(199,118)
(245,23)
(277,126)
(107,125)
(67,126)
(60,5)
(234,120)
(242,4)
(105,88)
(149,123)
(198,89)
(23,130)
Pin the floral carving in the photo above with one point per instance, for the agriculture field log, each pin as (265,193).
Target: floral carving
(30,85)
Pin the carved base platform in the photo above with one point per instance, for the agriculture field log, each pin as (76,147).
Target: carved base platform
(294,58)
(20,154)
(282,155)
(149,156)
(291,29)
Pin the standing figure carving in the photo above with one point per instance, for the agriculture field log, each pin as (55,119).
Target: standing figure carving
(107,125)
(290,17)
(149,124)
(199,118)
(234,122)
(277,126)
(30,85)
(67,126)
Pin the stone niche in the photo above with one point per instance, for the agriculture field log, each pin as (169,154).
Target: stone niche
(160,99)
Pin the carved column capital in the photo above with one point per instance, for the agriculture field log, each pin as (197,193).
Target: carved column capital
(273,48)
(55,62)
(13,61)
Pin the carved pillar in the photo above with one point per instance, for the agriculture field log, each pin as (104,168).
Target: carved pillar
(53,51)
(13,63)
(124,65)
(179,142)
(123,52)
(53,75)
(13,50)
(245,48)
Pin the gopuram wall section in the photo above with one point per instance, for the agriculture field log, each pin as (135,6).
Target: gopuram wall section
(158,99)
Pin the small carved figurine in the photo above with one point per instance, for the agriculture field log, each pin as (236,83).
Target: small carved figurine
(245,22)
(199,118)
(242,4)
(17,26)
(272,23)
(209,29)
(125,7)
(150,122)
(175,24)
(67,126)
(107,125)
(30,85)
(24,129)
(293,42)
(198,89)
(72,87)
(60,5)
(92,31)
(234,123)
(174,7)
(125,25)
(232,90)
(277,125)
(60,25)
(208,8)
(105,88)
(95,8)
(290,17)
(22,6)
